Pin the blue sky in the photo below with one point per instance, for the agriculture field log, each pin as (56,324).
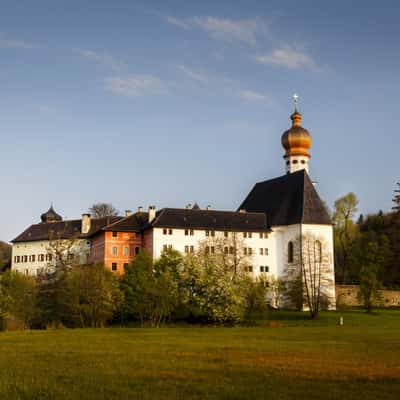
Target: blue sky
(171,102)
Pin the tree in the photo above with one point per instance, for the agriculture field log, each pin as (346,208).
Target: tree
(92,295)
(371,260)
(18,297)
(99,210)
(276,288)
(310,275)
(151,289)
(228,252)
(64,250)
(345,232)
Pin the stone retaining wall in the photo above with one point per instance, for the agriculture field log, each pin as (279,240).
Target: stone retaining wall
(346,295)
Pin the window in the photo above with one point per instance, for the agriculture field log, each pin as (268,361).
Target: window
(186,232)
(318,251)
(26,272)
(165,247)
(115,234)
(265,252)
(164,231)
(226,250)
(192,249)
(169,231)
(114,250)
(25,258)
(114,266)
(250,235)
(245,234)
(226,234)
(231,250)
(303,161)
(207,233)
(137,250)
(248,268)
(212,233)
(294,161)
(125,266)
(189,232)
(290,252)
(261,235)
(212,250)
(186,249)
(126,251)
(264,268)
(261,268)
(287,162)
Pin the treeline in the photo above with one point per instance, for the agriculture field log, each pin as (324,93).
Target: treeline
(194,288)
(373,239)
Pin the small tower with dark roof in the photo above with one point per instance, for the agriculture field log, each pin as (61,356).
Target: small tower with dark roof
(50,216)
(297,142)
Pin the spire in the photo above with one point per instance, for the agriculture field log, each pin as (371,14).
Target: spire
(297,142)
(296,116)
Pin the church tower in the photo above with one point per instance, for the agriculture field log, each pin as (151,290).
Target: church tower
(297,142)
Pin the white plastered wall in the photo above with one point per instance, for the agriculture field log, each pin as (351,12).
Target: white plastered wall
(81,249)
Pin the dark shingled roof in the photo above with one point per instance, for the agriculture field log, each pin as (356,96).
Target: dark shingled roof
(210,219)
(63,229)
(45,231)
(97,224)
(289,199)
(132,223)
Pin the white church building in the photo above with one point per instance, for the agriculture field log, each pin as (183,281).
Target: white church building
(270,222)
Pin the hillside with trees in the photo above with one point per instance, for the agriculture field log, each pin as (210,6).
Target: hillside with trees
(5,255)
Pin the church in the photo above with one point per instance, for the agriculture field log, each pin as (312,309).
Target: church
(269,223)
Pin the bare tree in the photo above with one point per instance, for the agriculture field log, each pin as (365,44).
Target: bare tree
(99,210)
(229,251)
(64,250)
(310,276)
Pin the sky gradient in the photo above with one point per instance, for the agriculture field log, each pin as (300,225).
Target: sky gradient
(171,102)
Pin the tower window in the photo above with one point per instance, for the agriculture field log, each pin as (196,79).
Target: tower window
(288,162)
(303,161)
(295,161)
(290,252)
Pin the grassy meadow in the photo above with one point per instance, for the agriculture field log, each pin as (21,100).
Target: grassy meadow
(286,357)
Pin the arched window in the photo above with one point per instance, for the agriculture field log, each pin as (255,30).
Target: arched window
(318,251)
(290,252)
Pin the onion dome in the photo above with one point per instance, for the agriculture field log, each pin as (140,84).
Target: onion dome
(296,140)
(50,216)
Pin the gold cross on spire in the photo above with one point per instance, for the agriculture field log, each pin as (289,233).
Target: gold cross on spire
(296,100)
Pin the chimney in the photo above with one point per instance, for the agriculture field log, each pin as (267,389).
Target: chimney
(140,209)
(152,213)
(128,213)
(85,223)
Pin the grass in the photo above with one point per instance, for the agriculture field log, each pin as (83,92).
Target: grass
(287,357)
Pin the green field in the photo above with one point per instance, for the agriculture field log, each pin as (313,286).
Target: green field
(287,357)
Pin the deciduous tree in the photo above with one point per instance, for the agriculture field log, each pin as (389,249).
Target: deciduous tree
(99,210)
